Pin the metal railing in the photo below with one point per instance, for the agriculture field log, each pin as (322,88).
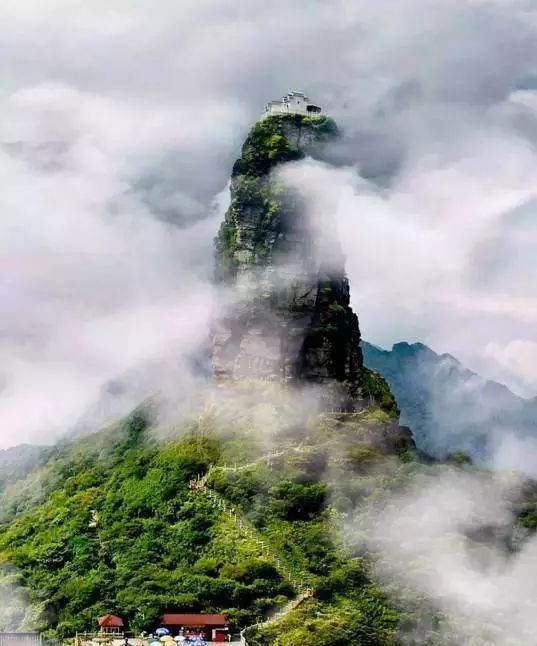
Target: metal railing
(20,639)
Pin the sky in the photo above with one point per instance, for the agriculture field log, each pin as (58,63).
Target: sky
(119,124)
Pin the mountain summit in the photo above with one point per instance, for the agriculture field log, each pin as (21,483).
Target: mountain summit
(291,320)
(230,511)
(259,507)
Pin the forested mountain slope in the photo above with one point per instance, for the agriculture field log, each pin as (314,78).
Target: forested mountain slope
(115,527)
(108,523)
(295,436)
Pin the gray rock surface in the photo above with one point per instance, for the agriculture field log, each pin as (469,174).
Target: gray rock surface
(289,317)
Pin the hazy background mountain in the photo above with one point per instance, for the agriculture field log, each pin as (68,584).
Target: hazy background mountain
(18,461)
(451,408)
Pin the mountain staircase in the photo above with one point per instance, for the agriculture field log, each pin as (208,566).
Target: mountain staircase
(200,484)
(279,614)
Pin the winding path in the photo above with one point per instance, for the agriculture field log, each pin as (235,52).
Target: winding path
(303,592)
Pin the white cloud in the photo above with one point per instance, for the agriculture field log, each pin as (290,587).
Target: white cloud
(515,452)
(123,119)
(95,284)
(445,537)
(413,249)
(517,358)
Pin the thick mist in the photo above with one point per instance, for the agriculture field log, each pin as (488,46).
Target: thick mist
(120,123)
(449,536)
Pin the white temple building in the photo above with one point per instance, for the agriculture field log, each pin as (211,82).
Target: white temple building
(292,103)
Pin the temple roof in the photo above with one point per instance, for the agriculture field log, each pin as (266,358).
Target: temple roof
(110,621)
(182,619)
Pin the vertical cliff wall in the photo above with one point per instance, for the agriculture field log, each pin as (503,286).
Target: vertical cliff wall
(290,319)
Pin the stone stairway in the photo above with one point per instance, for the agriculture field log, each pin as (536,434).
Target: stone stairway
(302,592)
(279,614)
(200,484)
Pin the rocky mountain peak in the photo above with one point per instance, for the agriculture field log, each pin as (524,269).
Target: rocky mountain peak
(291,319)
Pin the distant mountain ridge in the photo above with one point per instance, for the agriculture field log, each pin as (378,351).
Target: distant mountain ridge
(449,407)
(18,461)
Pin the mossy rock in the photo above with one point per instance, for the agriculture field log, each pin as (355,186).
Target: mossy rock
(282,138)
(376,388)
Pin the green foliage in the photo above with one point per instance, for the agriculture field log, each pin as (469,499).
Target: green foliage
(295,501)
(147,551)
(351,618)
(528,516)
(279,139)
(375,387)
(225,246)
(259,199)
(364,457)
(265,146)
(120,531)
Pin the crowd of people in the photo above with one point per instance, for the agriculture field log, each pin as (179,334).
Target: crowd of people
(162,637)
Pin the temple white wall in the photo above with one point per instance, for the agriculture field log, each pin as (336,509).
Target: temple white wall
(292,103)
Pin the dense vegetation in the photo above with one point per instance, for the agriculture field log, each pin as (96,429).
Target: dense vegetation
(268,142)
(113,527)
(121,532)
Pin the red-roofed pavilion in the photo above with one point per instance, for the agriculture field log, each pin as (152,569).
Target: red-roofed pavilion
(214,627)
(110,624)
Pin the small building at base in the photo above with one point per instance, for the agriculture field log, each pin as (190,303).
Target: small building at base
(213,627)
(110,625)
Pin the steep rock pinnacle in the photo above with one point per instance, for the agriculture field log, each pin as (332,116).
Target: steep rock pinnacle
(290,319)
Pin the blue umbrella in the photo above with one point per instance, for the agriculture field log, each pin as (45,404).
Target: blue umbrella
(161,632)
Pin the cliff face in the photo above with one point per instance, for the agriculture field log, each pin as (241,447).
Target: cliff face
(291,320)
